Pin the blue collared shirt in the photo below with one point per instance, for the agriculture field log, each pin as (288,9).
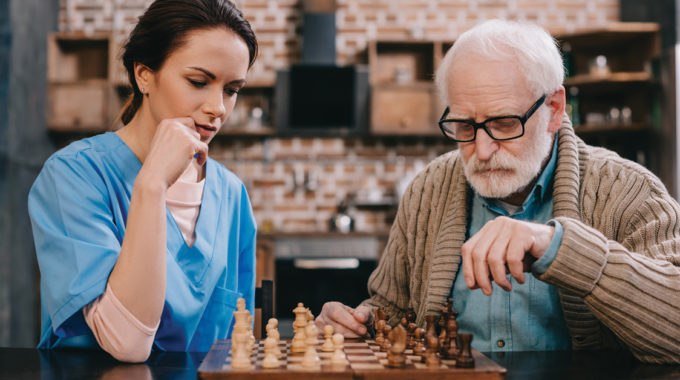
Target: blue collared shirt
(528,318)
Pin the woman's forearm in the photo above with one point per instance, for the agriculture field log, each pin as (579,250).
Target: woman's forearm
(139,276)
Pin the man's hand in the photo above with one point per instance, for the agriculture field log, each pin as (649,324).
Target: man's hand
(351,323)
(503,245)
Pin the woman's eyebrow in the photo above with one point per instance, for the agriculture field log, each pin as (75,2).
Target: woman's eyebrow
(204,71)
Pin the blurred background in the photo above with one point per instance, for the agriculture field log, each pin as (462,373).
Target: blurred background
(338,115)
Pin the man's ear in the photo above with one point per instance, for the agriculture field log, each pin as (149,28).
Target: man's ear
(143,76)
(556,103)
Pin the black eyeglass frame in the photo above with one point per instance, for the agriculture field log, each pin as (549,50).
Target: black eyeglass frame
(522,119)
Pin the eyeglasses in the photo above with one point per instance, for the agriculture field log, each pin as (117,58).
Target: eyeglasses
(498,128)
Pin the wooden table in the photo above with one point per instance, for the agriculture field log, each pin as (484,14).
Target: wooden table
(28,363)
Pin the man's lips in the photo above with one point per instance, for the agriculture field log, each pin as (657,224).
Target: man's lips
(492,171)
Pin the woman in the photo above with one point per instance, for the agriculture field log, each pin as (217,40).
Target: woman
(142,240)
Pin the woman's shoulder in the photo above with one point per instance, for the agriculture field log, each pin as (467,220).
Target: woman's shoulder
(88,149)
(225,176)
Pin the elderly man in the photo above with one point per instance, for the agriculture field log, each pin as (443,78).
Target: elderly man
(543,242)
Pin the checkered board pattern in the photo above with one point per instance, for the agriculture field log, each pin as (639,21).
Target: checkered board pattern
(365,359)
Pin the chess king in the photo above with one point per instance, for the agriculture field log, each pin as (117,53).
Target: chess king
(542,241)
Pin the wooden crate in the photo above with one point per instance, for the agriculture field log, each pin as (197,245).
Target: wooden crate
(404,109)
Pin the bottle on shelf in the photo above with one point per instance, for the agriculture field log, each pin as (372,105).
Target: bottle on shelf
(567,60)
(573,107)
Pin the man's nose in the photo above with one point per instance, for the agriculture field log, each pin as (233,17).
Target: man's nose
(485,146)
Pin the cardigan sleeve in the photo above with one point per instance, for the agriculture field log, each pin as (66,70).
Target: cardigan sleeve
(388,285)
(627,268)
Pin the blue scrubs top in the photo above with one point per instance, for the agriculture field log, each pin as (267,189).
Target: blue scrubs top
(78,207)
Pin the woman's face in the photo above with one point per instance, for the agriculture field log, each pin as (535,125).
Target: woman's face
(200,80)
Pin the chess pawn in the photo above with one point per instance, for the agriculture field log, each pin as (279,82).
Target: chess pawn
(273,332)
(310,321)
(379,332)
(386,342)
(404,323)
(270,360)
(328,343)
(411,341)
(338,359)
(411,315)
(442,329)
(431,357)
(419,349)
(451,351)
(465,359)
(311,358)
(380,314)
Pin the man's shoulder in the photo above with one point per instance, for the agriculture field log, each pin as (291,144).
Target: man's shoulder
(603,163)
(437,170)
(446,161)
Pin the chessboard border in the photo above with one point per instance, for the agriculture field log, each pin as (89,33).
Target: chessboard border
(212,369)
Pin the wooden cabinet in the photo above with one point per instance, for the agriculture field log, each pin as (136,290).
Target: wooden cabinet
(613,88)
(81,93)
(403,95)
(253,113)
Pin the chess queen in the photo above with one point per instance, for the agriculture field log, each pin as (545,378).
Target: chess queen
(142,239)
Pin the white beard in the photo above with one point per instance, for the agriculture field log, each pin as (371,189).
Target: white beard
(513,173)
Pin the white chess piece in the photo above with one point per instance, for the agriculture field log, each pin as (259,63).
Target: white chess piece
(270,360)
(298,343)
(251,337)
(239,354)
(273,332)
(328,343)
(338,358)
(311,358)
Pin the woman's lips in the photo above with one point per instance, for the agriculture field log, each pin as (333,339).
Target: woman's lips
(205,130)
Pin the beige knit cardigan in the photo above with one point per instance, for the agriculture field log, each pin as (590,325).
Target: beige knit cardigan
(617,270)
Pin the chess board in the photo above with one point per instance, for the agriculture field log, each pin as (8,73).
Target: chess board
(366,361)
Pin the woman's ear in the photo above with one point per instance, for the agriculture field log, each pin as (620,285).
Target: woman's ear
(556,102)
(143,77)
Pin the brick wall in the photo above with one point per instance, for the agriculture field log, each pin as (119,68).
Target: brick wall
(337,168)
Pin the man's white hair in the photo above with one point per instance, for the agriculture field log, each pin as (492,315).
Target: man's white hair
(533,50)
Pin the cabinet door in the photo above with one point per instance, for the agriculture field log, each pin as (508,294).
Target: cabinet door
(79,106)
(404,110)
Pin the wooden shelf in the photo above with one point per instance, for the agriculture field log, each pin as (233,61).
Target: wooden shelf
(613,128)
(622,77)
(614,34)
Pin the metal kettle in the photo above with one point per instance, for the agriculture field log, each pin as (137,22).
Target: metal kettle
(341,221)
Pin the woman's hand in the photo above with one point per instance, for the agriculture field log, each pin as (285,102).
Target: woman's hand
(174,145)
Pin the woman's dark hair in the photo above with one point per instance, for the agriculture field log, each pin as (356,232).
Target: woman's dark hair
(162,29)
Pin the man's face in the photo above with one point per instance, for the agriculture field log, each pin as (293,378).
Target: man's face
(479,89)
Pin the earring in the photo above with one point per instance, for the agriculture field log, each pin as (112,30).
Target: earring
(143,91)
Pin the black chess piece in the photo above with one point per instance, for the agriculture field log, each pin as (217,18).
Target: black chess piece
(380,331)
(451,350)
(411,315)
(431,356)
(395,355)
(419,349)
(385,346)
(411,335)
(465,359)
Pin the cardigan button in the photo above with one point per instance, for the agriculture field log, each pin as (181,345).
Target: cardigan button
(500,343)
